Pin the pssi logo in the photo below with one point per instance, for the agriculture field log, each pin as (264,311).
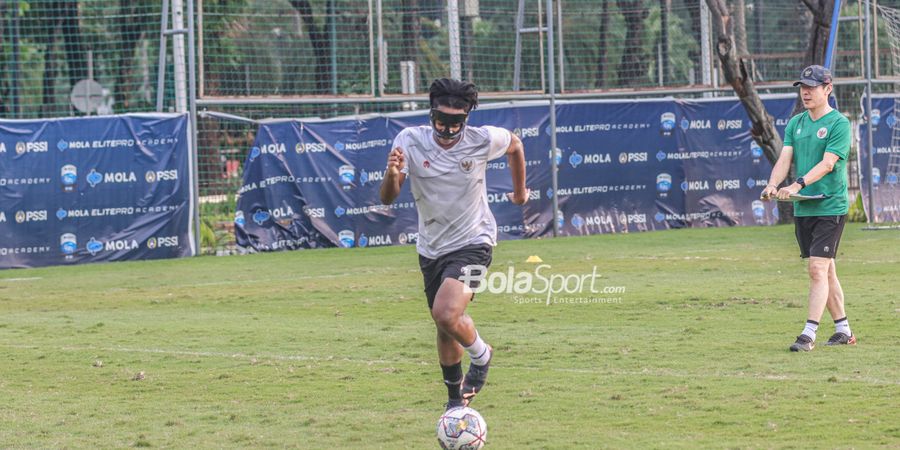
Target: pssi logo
(31,147)
(725,185)
(310,147)
(625,158)
(314,213)
(162,242)
(31,216)
(734,124)
(161,175)
(407,238)
(526,132)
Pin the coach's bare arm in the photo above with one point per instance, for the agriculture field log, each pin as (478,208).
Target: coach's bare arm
(393,178)
(779,172)
(515,155)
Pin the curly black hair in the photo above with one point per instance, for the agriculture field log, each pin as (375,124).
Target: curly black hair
(453,93)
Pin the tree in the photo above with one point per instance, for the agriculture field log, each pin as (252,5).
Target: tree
(603,51)
(318,38)
(633,67)
(821,11)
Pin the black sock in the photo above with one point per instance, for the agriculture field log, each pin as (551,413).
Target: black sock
(453,379)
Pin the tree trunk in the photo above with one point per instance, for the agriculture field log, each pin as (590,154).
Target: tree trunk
(665,10)
(736,73)
(129,32)
(411,31)
(318,37)
(71,32)
(633,68)
(602,62)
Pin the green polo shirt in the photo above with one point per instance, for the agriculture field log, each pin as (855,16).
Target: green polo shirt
(810,140)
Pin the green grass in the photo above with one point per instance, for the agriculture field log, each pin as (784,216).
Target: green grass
(335,348)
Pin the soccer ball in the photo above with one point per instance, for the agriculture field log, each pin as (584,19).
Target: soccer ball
(461,429)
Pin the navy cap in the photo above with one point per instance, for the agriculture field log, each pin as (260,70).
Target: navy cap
(814,76)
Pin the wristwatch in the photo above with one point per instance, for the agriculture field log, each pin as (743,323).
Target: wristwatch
(801,182)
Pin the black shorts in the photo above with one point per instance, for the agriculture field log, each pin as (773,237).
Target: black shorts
(819,235)
(434,271)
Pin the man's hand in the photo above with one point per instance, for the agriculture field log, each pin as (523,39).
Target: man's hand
(770,191)
(519,199)
(396,162)
(786,192)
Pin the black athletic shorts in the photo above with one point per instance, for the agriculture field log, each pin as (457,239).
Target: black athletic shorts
(434,271)
(819,235)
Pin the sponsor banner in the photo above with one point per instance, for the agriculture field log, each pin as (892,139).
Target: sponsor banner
(624,166)
(885,192)
(94,189)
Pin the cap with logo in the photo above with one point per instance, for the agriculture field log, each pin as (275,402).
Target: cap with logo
(814,76)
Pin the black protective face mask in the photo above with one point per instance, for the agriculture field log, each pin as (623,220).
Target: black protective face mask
(449,121)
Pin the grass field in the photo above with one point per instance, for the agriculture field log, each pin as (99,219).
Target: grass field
(335,349)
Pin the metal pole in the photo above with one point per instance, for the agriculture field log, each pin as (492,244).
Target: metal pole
(551,71)
(161,70)
(192,83)
(871,212)
(517,61)
(705,50)
(832,35)
(382,53)
(371,51)
(201,77)
(453,34)
(562,58)
(178,54)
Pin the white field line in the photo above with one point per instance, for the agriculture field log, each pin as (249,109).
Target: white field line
(22,279)
(653,372)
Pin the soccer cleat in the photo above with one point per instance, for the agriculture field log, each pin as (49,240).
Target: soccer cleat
(803,343)
(475,378)
(841,339)
(454,403)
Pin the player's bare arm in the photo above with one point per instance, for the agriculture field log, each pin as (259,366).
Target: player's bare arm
(515,156)
(394,176)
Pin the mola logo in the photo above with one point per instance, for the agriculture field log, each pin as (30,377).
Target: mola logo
(363,240)
(577,221)
(339,146)
(68,243)
(575,159)
(660,155)
(685,124)
(659,217)
(339,211)
(62,145)
(94,246)
(94,177)
(261,216)
(254,153)
(346,238)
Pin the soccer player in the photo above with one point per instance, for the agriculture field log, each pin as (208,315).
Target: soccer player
(818,141)
(446,163)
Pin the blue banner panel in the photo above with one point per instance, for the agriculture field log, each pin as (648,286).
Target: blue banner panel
(92,189)
(886,164)
(623,166)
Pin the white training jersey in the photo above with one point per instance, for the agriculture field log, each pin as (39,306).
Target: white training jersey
(449,188)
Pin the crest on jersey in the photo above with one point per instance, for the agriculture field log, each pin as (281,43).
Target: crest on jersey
(467,165)
(822,133)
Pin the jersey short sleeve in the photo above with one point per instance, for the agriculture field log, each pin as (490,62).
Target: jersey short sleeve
(790,130)
(499,141)
(839,139)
